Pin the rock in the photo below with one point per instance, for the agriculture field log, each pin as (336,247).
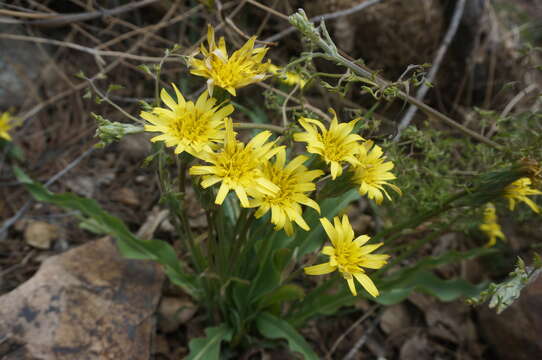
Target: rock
(87,303)
(173,312)
(81,185)
(126,196)
(136,146)
(416,348)
(40,234)
(20,67)
(515,334)
(395,318)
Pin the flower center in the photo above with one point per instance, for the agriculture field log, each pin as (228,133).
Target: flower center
(191,126)
(237,164)
(347,257)
(285,181)
(334,148)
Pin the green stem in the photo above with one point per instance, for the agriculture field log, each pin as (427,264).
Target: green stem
(317,36)
(241,235)
(391,234)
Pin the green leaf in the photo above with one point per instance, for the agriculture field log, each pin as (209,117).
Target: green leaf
(321,302)
(284,293)
(129,245)
(281,258)
(208,348)
(427,282)
(13,151)
(274,328)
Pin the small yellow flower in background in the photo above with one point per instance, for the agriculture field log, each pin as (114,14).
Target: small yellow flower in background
(349,255)
(335,146)
(194,128)
(373,172)
(289,78)
(242,68)
(490,225)
(518,191)
(294,181)
(238,167)
(6,124)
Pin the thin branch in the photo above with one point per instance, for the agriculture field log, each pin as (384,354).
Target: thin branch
(422,91)
(63,19)
(349,330)
(362,340)
(305,104)
(285,103)
(95,52)
(323,17)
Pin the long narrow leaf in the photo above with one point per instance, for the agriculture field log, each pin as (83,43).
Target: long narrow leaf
(274,328)
(129,245)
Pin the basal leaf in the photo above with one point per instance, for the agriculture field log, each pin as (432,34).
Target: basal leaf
(129,245)
(274,328)
(208,348)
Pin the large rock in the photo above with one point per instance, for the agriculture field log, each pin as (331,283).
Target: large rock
(87,303)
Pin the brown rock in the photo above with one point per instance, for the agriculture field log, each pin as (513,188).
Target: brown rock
(173,312)
(136,147)
(126,196)
(395,318)
(87,303)
(40,234)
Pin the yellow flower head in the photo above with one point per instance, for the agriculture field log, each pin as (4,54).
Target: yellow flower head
(294,181)
(6,124)
(373,172)
(238,167)
(518,191)
(335,145)
(289,78)
(242,68)
(349,255)
(194,128)
(490,225)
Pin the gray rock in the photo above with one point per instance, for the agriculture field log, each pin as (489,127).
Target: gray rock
(20,66)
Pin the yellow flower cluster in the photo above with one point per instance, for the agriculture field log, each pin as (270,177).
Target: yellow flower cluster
(204,130)
(490,226)
(339,145)
(258,172)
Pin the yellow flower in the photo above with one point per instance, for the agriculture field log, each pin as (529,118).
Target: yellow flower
(335,146)
(293,180)
(194,128)
(6,124)
(242,68)
(289,78)
(349,255)
(490,225)
(238,167)
(372,172)
(518,191)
